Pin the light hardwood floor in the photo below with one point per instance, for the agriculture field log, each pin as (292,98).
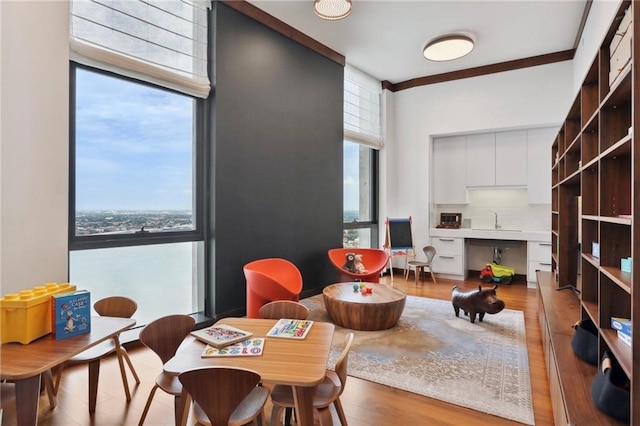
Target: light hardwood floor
(365,403)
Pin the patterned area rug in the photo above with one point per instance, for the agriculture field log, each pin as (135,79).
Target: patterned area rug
(482,366)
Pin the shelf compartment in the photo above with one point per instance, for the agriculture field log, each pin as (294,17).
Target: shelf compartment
(619,349)
(615,244)
(554,221)
(589,99)
(590,195)
(615,199)
(572,124)
(590,144)
(573,158)
(589,282)
(615,114)
(589,235)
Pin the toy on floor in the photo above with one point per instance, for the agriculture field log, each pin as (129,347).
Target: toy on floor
(478,302)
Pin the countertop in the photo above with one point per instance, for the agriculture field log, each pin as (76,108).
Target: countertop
(492,234)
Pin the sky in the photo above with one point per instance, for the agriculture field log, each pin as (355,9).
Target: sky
(134,147)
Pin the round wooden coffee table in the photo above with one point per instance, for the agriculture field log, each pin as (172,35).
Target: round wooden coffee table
(351,309)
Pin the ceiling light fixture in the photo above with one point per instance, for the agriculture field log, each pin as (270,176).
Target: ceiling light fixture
(332,9)
(448,48)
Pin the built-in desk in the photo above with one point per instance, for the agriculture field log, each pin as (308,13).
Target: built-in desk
(452,246)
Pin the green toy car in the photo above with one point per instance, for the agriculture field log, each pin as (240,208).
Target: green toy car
(493,272)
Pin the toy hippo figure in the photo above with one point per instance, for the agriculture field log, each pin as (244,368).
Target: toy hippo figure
(476,302)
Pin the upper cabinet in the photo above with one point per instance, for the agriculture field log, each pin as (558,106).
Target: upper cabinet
(481,159)
(539,168)
(449,163)
(511,158)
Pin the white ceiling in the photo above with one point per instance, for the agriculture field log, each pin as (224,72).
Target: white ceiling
(385,37)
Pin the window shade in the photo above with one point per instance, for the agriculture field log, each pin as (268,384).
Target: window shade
(163,42)
(362,95)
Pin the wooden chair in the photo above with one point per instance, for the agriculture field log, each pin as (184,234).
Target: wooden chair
(223,396)
(420,266)
(284,309)
(326,393)
(164,336)
(115,306)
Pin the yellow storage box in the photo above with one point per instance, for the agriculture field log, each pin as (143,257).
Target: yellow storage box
(26,316)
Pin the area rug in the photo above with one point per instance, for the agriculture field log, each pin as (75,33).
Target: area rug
(431,352)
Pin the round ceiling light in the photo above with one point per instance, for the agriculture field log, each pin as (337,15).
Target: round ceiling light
(332,9)
(448,48)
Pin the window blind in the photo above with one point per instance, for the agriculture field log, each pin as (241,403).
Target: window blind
(362,116)
(163,42)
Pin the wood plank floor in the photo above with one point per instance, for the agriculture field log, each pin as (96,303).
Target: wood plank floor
(365,403)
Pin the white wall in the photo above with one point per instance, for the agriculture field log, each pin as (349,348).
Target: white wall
(600,17)
(517,99)
(34,143)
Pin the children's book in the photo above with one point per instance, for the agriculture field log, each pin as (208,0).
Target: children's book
(290,328)
(249,347)
(219,335)
(71,314)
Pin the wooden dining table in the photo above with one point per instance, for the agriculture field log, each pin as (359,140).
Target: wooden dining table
(300,363)
(25,364)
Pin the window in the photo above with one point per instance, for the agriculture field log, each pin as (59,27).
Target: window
(360,188)
(136,221)
(362,129)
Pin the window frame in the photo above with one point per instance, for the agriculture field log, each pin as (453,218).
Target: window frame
(373,197)
(86,242)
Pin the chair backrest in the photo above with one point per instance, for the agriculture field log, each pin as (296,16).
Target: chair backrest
(164,335)
(116,306)
(341,363)
(280,270)
(219,390)
(430,252)
(284,309)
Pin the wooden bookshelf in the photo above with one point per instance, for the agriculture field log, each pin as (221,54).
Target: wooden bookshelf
(595,167)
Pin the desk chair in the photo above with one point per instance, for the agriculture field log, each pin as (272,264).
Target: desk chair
(284,309)
(419,266)
(326,393)
(115,306)
(164,336)
(223,396)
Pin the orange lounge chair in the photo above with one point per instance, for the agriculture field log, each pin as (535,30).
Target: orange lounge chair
(374,261)
(269,280)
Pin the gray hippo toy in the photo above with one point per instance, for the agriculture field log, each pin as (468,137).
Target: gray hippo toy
(476,302)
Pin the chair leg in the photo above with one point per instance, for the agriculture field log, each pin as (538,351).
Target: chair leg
(324,414)
(123,372)
(146,407)
(340,411)
(433,277)
(47,378)
(276,415)
(56,385)
(133,370)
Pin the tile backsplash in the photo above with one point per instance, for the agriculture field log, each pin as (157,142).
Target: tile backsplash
(511,205)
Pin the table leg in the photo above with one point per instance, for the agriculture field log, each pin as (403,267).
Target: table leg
(303,399)
(27,399)
(94,373)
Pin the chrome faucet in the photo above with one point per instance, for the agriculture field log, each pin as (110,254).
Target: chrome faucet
(496,226)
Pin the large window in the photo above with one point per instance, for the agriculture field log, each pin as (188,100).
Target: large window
(136,221)
(360,202)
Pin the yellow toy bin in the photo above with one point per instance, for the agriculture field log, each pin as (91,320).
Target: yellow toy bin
(26,316)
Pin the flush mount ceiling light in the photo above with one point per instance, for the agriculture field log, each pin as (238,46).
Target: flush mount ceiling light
(332,9)
(448,48)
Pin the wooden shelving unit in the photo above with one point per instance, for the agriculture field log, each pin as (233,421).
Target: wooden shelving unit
(595,167)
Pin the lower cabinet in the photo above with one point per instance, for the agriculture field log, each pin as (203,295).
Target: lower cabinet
(538,258)
(449,258)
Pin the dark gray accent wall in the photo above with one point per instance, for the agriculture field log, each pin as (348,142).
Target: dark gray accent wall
(277,157)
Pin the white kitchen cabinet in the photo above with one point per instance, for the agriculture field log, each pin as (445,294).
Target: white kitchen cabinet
(449,164)
(511,158)
(481,159)
(449,258)
(538,258)
(539,171)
